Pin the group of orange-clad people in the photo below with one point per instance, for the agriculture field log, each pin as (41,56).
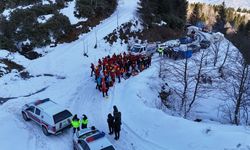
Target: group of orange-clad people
(118,66)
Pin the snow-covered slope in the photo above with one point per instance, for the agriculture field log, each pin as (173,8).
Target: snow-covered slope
(144,126)
(69,12)
(229,3)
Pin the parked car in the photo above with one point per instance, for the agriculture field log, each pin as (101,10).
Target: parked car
(204,44)
(173,43)
(91,139)
(142,49)
(186,40)
(53,44)
(52,118)
(195,48)
(205,29)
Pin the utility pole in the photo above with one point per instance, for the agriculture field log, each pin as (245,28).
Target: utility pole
(117,19)
(95,39)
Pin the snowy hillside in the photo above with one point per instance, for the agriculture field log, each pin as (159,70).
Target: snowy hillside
(229,3)
(63,75)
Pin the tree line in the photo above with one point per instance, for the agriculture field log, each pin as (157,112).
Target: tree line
(23,24)
(225,20)
(173,13)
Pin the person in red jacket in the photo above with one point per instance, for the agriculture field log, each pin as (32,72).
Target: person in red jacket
(104,88)
(97,73)
(118,74)
(112,75)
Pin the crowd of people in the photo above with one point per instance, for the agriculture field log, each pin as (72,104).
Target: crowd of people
(109,69)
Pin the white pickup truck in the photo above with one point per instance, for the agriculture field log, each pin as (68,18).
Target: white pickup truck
(51,117)
(142,49)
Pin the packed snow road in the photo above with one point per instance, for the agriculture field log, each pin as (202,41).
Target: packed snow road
(144,127)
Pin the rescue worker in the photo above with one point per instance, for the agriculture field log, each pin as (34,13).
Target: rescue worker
(84,121)
(75,122)
(107,81)
(92,69)
(98,83)
(104,88)
(110,121)
(160,51)
(112,75)
(118,74)
(97,72)
(122,71)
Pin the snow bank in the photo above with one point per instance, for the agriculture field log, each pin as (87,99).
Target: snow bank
(144,126)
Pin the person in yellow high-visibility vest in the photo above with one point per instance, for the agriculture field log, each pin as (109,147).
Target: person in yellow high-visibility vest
(75,122)
(160,51)
(84,122)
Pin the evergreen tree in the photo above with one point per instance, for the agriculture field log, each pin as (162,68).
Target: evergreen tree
(221,19)
(195,15)
(172,12)
(247,28)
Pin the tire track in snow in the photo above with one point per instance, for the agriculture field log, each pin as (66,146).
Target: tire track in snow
(30,126)
(126,130)
(143,140)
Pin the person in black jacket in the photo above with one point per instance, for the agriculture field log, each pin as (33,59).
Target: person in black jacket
(115,110)
(110,121)
(117,125)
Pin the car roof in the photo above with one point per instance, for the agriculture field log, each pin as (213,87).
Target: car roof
(96,144)
(48,106)
(99,144)
(139,46)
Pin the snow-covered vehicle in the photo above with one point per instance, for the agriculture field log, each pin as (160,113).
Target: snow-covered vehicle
(186,40)
(216,37)
(195,48)
(91,139)
(142,49)
(53,44)
(204,44)
(162,45)
(52,118)
(173,43)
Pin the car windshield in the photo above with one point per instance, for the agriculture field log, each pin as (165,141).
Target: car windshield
(135,49)
(108,148)
(83,136)
(61,116)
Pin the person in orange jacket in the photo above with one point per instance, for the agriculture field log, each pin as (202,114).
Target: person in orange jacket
(97,72)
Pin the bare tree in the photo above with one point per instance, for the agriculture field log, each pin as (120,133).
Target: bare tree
(240,90)
(185,88)
(178,71)
(224,60)
(216,49)
(237,90)
(201,60)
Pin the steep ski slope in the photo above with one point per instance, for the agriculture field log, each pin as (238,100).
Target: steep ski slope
(229,3)
(143,126)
